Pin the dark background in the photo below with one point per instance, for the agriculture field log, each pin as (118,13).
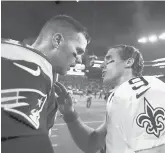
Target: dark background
(109,23)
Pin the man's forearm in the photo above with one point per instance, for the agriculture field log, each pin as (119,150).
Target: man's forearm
(80,133)
(87,139)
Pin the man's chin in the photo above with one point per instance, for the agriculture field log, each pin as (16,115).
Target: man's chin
(106,81)
(61,72)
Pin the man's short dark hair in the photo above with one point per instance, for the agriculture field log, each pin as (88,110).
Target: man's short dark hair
(127,52)
(68,21)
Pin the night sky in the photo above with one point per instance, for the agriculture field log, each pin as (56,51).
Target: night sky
(108,23)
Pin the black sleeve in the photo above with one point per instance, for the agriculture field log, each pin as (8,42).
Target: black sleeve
(52,109)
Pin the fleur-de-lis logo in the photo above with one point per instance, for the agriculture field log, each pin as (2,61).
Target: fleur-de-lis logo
(152,119)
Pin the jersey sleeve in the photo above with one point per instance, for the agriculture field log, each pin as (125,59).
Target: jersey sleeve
(52,109)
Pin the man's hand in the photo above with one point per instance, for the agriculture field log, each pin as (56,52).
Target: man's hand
(65,103)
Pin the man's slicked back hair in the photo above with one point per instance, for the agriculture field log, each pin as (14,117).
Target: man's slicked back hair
(68,22)
(127,52)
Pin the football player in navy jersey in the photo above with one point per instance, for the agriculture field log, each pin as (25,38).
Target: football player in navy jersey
(135,113)
(29,99)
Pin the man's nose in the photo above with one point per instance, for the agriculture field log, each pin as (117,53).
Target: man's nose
(79,59)
(102,66)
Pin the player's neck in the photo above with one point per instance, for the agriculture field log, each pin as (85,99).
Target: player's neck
(125,77)
(42,47)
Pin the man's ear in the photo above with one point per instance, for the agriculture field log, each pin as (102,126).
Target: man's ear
(129,62)
(57,39)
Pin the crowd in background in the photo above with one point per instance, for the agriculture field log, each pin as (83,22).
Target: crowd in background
(81,85)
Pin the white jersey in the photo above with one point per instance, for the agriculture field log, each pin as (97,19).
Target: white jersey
(136,116)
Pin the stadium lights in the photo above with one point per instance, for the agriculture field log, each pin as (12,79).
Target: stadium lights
(155,65)
(80,66)
(74,73)
(162,36)
(162,67)
(159,60)
(98,62)
(159,64)
(153,38)
(77,72)
(142,40)
(96,65)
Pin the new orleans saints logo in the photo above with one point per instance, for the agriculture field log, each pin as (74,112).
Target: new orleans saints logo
(152,119)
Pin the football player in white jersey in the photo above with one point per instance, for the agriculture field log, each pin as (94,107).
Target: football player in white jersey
(135,120)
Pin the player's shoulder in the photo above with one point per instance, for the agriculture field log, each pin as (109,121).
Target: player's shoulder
(157,85)
(128,89)
(15,51)
(20,49)
(138,86)
(123,91)
(154,80)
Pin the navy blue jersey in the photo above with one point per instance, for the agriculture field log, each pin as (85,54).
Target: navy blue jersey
(28,102)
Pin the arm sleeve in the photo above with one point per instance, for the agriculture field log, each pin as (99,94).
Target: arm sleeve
(89,140)
(52,109)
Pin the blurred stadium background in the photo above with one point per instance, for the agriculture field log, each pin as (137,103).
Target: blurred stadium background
(137,23)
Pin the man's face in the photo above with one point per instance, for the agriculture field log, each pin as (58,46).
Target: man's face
(70,52)
(113,67)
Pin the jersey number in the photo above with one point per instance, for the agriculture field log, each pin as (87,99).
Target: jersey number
(140,85)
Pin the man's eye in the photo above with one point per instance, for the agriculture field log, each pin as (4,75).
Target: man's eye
(110,61)
(108,58)
(80,51)
(75,55)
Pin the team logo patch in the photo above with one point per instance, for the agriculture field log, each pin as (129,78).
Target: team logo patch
(24,104)
(153,119)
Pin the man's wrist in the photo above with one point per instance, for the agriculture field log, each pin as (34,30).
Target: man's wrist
(70,116)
